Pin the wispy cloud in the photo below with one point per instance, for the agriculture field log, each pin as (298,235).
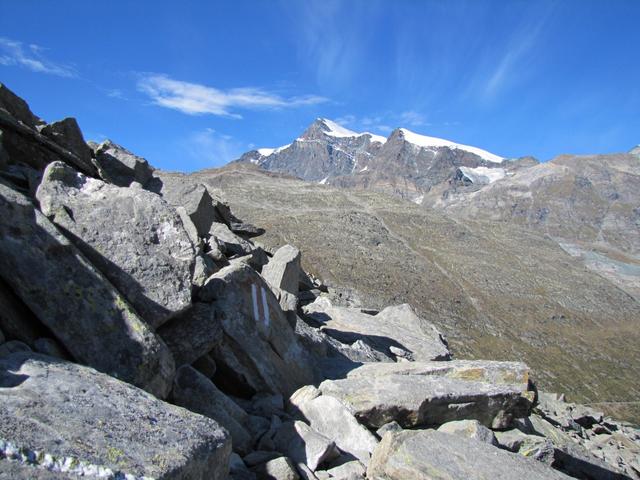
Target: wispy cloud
(209,148)
(15,53)
(411,118)
(332,37)
(197,99)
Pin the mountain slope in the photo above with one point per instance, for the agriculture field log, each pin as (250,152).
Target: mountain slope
(498,290)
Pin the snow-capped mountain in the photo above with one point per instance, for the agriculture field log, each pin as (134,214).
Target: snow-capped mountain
(406,163)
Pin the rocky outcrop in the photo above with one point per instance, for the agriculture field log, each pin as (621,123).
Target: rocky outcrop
(253,329)
(63,417)
(75,301)
(283,270)
(396,332)
(118,166)
(402,455)
(494,393)
(131,235)
(257,331)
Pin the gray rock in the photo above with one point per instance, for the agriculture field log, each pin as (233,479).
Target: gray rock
(304,445)
(188,225)
(265,442)
(13,346)
(471,429)
(328,416)
(401,455)
(119,166)
(192,334)
(388,427)
(17,108)
(534,446)
(280,468)
(132,236)
(573,458)
(197,393)
(68,135)
(1,337)
(203,268)
(283,270)
(82,419)
(352,470)
(266,348)
(302,395)
(232,244)
(206,366)
(246,229)
(51,347)
(433,393)
(395,331)
(71,297)
(197,202)
(16,470)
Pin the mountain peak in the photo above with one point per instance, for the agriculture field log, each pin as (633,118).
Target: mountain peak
(324,126)
(435,142)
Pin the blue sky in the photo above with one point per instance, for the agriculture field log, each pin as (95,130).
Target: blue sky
(193,84)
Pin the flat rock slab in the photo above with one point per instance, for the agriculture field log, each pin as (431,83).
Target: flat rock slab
(432,393)
(131,235)
(82,420)
(395,331)
(433,455)
(78,304)
(283,270)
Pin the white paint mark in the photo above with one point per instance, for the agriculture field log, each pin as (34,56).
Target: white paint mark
(254,296)
(265,308)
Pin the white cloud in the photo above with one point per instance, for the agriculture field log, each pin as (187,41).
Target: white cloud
(196,99)
(14,53)
(413,119)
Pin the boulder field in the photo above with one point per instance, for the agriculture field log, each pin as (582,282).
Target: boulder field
(145,334)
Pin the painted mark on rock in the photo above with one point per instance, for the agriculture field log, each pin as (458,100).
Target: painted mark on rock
(260,309)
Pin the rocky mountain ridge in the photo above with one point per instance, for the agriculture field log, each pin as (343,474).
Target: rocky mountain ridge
(144,334)
(588,203)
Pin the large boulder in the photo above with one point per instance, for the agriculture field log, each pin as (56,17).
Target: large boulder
(119,166)
(283,270)
(304,445)
(395,331)
(195,392)
(78,304)
(135,238)
(192,334)
(72,418)
(231,243)
(432,393)
(429,455)
(196,201)
(331,418)
(67,134)
(262,343)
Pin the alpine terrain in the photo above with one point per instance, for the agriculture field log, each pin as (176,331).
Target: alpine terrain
(244,324)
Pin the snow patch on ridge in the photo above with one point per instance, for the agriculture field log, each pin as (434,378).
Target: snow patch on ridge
(483,175)
(339,131)
(434,142)
(265,152)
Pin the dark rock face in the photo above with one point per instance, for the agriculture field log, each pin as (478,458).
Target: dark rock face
(81,420)
(99,328)
(131,235)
